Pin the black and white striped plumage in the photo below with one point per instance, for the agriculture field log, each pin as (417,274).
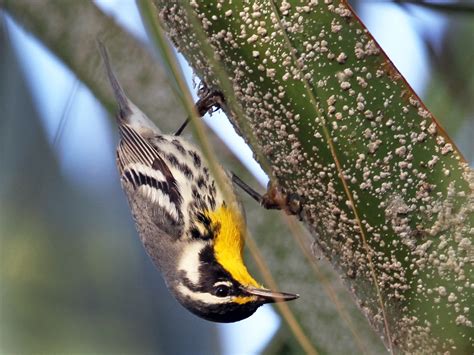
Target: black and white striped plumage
(192,235)
(170,175)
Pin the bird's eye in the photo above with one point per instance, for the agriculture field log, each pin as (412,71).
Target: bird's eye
(222,291)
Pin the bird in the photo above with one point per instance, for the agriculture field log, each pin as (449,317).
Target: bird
(193,235)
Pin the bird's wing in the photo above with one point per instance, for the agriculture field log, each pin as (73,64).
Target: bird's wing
(146,176)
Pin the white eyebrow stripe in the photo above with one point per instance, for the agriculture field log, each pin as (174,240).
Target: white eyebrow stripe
(225,283)
(204,297)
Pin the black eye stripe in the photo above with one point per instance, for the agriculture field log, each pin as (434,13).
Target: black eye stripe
(222,291)
(214,275)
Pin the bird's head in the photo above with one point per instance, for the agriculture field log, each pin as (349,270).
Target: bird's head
(213,281)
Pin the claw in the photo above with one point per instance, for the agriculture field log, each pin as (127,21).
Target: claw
(209,100)
(275,198)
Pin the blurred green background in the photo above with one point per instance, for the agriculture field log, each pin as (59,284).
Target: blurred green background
(74,276)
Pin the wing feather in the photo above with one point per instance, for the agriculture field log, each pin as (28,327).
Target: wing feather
(141,165)
(135,148)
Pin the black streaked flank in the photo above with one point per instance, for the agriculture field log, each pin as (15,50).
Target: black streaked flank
(195,192)
(180,166)
(212,201)
(160,139)
(212,189)
(178,146)
(196,158)
(205,220)
(172,159)
(208,233)
(200,181)
(186,171)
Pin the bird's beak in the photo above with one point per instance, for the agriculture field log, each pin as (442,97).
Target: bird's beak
(267,296)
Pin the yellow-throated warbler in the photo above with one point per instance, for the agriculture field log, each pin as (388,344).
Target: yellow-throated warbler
(192,235)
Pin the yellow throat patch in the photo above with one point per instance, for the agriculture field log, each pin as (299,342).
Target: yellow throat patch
(229,244)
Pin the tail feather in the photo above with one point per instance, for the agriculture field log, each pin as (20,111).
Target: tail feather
(129,113)
(122,99)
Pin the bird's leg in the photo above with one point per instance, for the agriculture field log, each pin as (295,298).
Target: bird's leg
(250,191)
(209,100)
(273,199)
(182,127)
